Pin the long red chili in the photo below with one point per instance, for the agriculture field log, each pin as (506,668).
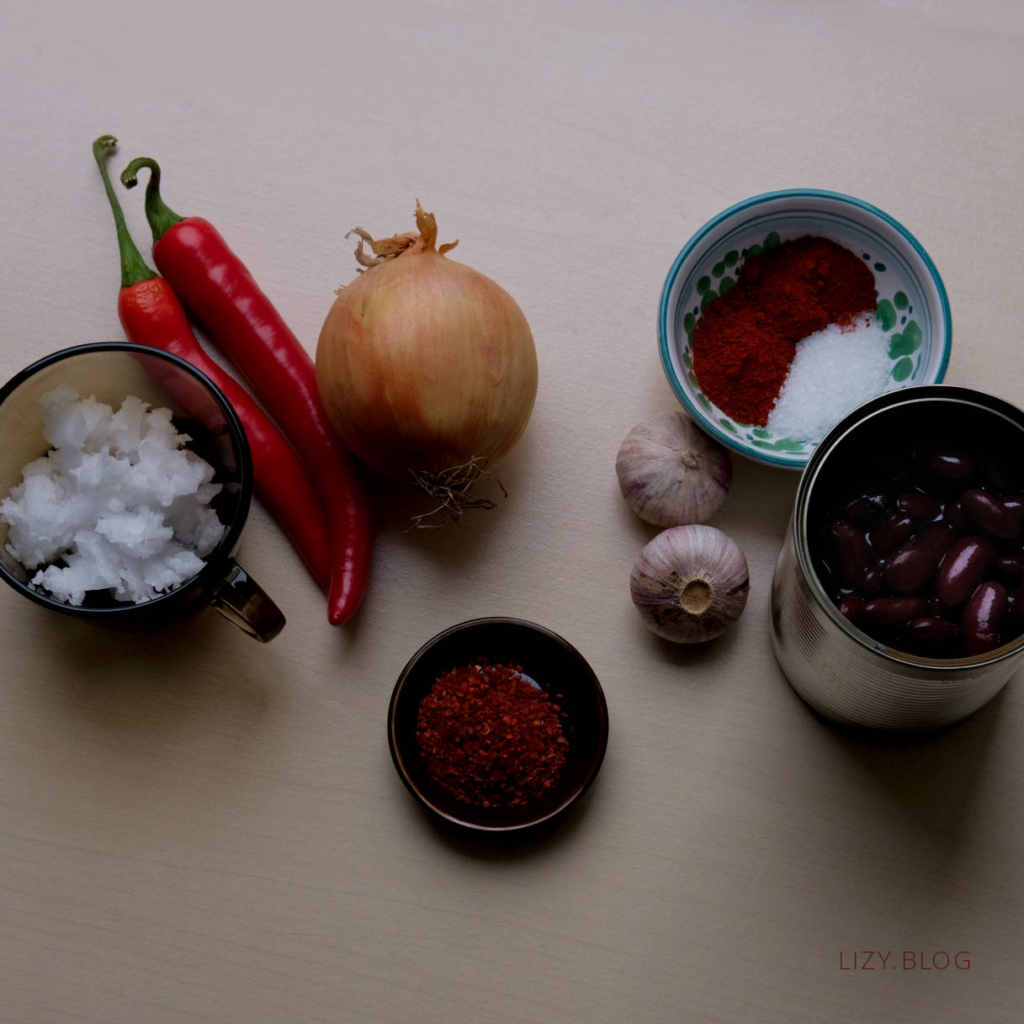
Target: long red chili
(215,285)
(152,315)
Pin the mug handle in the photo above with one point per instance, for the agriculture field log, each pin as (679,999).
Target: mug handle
(241,600)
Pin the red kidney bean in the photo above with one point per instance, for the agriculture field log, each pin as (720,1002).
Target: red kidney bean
(913,566)
(983,617)
(1014,504)
(851,547)
(963,567)
(1011,566)
(895,531)
(936,607)
(893,611)
(866,508)
(851,607)
(955,516)
(1013,621)
(873,582)
(988,513)
(997,474)
(919,506)
(951,463)
(933,632)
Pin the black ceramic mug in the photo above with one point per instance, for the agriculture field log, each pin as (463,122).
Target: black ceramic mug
(111,371)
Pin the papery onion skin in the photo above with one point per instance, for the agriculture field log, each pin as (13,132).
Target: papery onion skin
(690,584)
(671,473)
(424,364)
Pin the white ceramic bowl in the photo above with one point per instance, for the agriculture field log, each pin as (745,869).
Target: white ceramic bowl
(912,303)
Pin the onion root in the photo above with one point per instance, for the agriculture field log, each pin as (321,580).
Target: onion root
(451,489)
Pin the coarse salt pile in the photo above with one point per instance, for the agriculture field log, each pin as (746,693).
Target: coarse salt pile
(117,500)
(833,372)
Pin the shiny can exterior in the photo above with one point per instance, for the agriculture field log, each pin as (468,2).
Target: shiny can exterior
(842,673)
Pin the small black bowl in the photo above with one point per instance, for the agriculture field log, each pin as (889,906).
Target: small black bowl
(546,658)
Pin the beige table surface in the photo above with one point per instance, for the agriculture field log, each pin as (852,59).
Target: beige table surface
(195,828)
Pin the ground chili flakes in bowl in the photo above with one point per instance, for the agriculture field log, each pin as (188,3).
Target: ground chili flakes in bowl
(491,736)
(497,724)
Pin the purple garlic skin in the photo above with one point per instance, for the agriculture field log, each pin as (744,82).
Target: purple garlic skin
(690,584)
(671,473)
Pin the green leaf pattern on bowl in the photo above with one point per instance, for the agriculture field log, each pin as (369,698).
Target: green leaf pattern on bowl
(784,444)
(903,369)
(905,344)
(886,315)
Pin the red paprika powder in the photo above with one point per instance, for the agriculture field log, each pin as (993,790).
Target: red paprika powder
(489,737)
(746,339)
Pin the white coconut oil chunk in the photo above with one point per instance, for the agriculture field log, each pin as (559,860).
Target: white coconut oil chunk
(118,504)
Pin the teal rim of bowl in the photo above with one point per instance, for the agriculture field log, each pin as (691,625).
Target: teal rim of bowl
(787,193)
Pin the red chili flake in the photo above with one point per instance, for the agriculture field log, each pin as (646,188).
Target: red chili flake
(490,737)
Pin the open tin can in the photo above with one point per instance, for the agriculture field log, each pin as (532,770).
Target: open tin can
(843,673)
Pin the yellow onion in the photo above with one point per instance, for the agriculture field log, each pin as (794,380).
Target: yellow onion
(426,368)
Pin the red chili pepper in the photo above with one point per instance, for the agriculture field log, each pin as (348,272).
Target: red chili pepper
(216,286)
(152,315)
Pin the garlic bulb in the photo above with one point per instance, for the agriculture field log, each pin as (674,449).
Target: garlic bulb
(671,473)
(690,584)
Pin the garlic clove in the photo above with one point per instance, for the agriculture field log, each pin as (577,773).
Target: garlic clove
(690,584)
(671,473)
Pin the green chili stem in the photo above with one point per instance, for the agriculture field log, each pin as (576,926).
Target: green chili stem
(133,266)
(158,213)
